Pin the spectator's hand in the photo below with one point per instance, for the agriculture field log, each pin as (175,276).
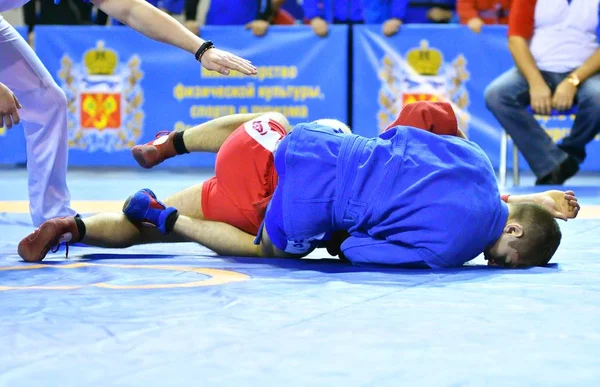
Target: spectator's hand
(258,27)
(391,26)
(475,24)
(9,104)
(193,26)
(439,15)
(541,98)
(564,96)
(223,62)
(319,26)
(562,205)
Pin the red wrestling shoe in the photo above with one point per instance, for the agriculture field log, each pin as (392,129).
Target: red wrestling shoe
(155,152)
(49,235)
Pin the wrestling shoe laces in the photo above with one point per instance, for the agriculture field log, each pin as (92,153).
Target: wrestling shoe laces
(65,238)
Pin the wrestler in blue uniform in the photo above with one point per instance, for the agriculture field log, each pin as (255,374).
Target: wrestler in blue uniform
(407,196)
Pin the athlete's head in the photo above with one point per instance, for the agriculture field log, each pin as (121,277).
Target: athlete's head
(530,238)
(335,124)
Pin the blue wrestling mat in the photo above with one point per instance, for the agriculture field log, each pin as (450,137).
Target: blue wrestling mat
(176,315)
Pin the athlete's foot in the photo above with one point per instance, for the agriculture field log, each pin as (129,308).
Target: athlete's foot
(143,206)
(155,152)
(49,235)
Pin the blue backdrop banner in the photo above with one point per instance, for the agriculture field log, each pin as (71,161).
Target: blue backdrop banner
(12,142)
(122,88)
(431,63)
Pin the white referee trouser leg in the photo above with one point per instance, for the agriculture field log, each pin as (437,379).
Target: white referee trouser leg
(44,117)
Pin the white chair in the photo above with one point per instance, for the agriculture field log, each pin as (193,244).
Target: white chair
(504,161)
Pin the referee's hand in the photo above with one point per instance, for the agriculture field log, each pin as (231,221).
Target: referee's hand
(223,62)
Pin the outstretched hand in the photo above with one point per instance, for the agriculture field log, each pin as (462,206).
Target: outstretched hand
(562,205)
(223,62)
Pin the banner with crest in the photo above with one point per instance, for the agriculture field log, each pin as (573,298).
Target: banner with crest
(101,71)
(433,63)
(122,88)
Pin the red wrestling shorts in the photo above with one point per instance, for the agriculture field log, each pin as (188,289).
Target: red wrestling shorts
(245,176)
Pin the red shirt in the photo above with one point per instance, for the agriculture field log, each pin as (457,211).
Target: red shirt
(490,11)
(521,21)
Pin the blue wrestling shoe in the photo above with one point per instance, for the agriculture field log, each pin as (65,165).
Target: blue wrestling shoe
(143,206)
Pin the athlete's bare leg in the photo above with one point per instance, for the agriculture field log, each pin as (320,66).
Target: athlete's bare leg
(114,230)
(206,137)
(209,137)
(221,238)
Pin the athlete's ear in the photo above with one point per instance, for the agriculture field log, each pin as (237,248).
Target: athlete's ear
(515,229)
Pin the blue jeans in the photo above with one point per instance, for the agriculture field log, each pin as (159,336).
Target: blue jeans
(507,97)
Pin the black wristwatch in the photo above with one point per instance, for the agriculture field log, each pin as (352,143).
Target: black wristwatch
(203,48)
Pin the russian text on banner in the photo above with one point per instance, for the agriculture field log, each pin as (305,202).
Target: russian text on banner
(122,88)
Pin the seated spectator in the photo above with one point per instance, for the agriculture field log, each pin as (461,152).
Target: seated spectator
(320,13)
(555,47)
(476,13)
(256,15)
